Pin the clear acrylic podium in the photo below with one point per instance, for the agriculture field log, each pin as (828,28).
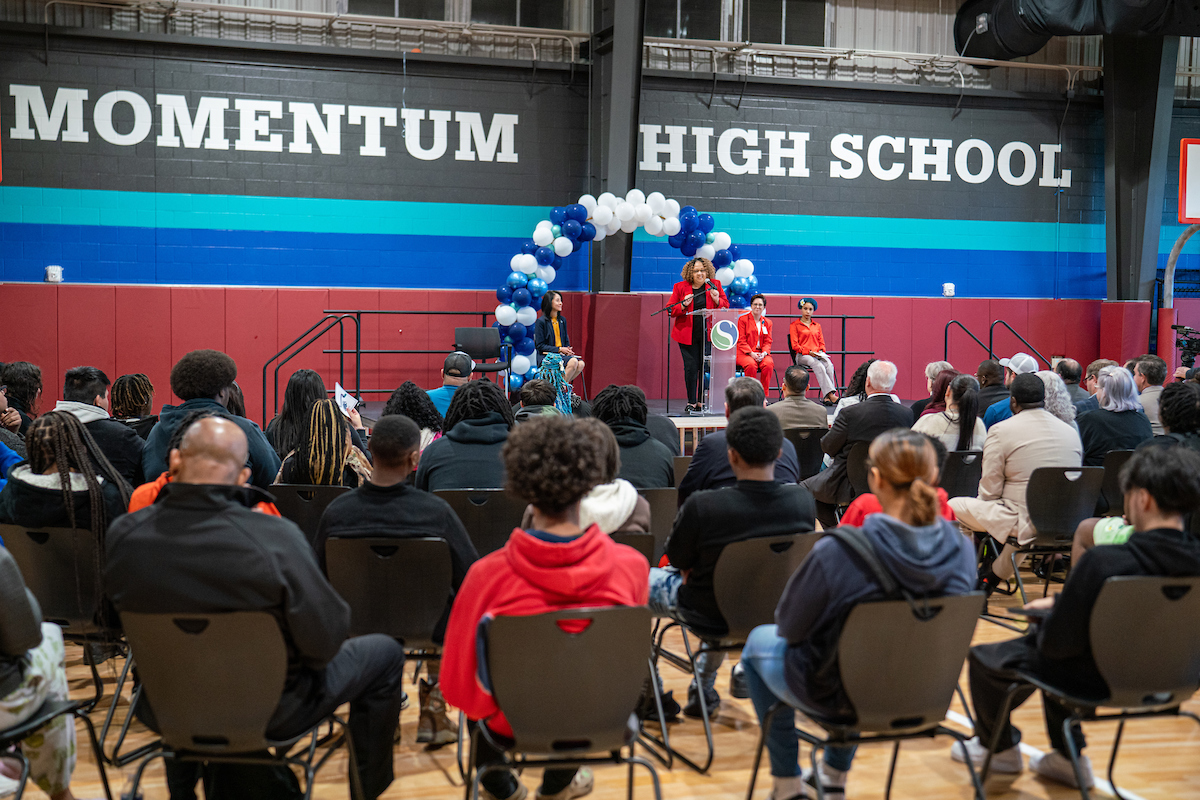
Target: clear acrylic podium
(720,365)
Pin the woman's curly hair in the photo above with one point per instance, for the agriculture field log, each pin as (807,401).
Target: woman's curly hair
(701,263)
(553,461)
(412,401)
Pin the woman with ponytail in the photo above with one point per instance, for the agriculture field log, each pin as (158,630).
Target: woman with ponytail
(956,422)
(794,661)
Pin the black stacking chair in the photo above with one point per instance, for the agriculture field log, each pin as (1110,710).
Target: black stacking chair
(664,505)
(962,472)
(681,467)
(216,680)
(304,504)
(899,664)
(748,581)
(489,515)
(566,695)
(1059,498)
(642,542)
(1145,638)
(1112,502)
(807,442)
(49,711)
(856,467)
(481,344)
(394,586)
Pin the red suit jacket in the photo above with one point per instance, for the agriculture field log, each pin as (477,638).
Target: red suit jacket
(682,330)
(749,339)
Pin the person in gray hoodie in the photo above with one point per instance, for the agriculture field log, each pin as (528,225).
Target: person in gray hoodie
(86,397)
(790,661)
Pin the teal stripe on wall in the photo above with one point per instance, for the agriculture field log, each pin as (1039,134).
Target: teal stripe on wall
(314,215)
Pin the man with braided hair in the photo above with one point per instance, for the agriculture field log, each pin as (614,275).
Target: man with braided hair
(132,400)
(646,462)
(468,454)
(204,379)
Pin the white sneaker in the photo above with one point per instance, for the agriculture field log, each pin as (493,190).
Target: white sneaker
(1006,761)
(1055,766)
(581,784)
(833,781)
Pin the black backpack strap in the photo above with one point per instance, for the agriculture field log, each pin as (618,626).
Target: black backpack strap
(858,541)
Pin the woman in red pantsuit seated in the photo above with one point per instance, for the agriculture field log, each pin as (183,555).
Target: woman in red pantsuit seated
(754,342)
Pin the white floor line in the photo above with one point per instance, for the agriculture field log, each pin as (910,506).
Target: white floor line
(1030,751)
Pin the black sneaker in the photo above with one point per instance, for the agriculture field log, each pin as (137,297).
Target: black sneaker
(712,702)
(737,682)
(648,710)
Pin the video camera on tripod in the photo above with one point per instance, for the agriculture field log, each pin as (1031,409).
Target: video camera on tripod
(1188,344)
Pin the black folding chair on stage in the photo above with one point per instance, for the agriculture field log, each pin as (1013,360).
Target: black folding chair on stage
(481,344)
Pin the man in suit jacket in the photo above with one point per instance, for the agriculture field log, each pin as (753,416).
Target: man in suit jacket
(1091,380)
(710,467)
(1014,448)
(857,423)
(1072,374)
(795,410)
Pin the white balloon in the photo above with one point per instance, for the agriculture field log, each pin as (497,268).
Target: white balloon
(547,224)
(654,225)
(629,225)
(588,202)
(672,209)
(608,199)
(725,275)
(601,232)
(520,364)
(625,211)
(506,314)
(722,241)
(602,215)
(643,212)
(657,202)
(542,236)
(707,251)
(529,264)
(563,246)
(671,226)
(515,262)
(635,197)
(527,315)
(613,226)
(743,268)
(546,273)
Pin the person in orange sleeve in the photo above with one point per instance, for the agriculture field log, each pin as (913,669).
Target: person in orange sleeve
(754,343)
(691,333)
(807,342)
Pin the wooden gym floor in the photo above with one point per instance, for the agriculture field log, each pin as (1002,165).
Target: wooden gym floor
(1159,759)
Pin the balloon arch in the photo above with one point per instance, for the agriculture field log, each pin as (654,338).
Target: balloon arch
(592,219)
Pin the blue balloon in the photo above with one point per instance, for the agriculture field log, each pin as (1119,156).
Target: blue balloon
(529,248)
(688,220)
(588,232)
(735,252)
(557,263)
(525,347)
(537,287)
(707,223)
(751,286)
(572,229)
(496,324)
(688,208)
(515,382)
(577,212)
(517,331)
(516,280)
(738,287)
(575,245)
(558,214)
(696,239)
(737,301)
(722,258)
(521,297)
(677,240)
(544,256)
(503,330)
(504,295)
(687,249)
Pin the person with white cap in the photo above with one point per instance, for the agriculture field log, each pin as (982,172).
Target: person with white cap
(1019,364)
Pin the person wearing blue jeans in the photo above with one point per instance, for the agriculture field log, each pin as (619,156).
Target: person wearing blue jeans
(790,662)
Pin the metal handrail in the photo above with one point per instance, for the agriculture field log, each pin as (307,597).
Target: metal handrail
(325,324)
(946,340)
(1024,341)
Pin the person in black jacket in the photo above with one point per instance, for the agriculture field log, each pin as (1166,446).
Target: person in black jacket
(991,383)
(387,506)
(1119,423)
(1160,485)
(132,401)
(24,382)
(757,505)
(646,462)
(201,549)
(857,423)
(86,397)
(468,454)
(710,467)
(550,336)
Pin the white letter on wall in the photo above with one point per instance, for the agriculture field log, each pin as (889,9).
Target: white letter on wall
(470,127)
(702,164)
(797,152)
(326,133)
(843,147)
(922,159)
(210,113)
(370,118)
(252,126)
(985,169)
(725,152)
(1049,151)
(143,118)
(889,173)
(1004,163)
(652,148)
(67,103)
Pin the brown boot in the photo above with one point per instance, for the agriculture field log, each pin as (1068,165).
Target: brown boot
(434,727)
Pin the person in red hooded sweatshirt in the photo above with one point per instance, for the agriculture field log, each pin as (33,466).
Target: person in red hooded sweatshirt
(552,462)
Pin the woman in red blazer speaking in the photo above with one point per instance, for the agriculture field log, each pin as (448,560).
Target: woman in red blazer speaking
(698,289)
(754,342)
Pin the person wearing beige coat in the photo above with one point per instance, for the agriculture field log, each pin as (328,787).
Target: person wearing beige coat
(1014,448)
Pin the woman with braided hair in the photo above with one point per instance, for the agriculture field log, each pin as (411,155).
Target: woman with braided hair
(132,399)
(468,454)
(325,454)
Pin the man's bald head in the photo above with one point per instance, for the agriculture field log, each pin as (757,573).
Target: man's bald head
(213,450)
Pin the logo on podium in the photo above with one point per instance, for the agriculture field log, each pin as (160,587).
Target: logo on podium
(724,335)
